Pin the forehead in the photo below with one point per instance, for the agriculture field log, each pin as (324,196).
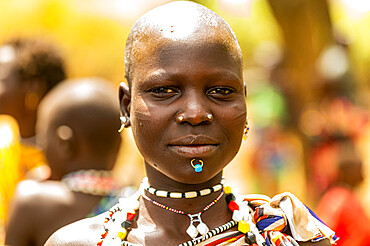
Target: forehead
(187,57)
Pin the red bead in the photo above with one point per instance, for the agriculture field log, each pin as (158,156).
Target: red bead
(233,206)
(131,216)
(100,243)
(104,234)
(110,213)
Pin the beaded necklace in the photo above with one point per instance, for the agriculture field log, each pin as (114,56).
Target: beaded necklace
(95,182)
(192,231)
(189,194)
(120,218)
(260,222)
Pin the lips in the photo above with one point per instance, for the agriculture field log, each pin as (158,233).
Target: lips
(194,146)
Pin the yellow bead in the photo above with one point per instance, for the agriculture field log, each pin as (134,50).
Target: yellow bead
(227,190)
(243,226)
(122,234)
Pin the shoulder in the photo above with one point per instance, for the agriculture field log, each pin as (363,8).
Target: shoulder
(83,232)
(34,201)
(38,200)
(31,194)
(40,189)
(35,195)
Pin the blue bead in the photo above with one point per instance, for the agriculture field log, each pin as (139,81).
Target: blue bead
(198,168)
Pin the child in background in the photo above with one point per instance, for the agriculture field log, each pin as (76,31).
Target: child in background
(78,123)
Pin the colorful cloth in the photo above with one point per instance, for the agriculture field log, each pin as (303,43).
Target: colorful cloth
(284,220)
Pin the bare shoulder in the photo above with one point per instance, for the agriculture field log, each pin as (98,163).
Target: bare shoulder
(33,199)
(82,232)
(36,200)
(40,191)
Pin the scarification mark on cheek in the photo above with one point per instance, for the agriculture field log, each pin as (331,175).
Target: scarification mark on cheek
(140,111)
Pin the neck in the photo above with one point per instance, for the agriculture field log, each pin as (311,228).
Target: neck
(191,205)
(162,182)
(169,221)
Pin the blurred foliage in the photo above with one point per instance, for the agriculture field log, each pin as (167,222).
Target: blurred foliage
(92,45)
(354,27)
(257,25)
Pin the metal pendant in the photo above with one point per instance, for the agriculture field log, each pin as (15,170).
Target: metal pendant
(201,228)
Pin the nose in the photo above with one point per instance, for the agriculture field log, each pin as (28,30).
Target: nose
(194,112)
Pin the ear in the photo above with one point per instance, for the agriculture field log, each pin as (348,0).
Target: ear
(125,101)
(66,141)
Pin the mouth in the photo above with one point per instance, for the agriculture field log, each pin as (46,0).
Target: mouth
(194,146)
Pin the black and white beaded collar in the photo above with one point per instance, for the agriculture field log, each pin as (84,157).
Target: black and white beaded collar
(178,195)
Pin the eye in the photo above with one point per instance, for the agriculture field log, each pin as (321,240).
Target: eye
(221,92)
(164,92)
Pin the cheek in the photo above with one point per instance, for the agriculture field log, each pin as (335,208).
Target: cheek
(234,118)
(149,123)
(233,123)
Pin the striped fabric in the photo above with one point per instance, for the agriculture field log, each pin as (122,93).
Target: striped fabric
(285,213)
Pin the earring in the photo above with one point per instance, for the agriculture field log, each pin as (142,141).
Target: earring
(246,130)
(31,101)
(124,122)
(209,116)
(198,167)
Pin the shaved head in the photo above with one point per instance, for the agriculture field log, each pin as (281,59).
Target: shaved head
(180,22)
(86,110)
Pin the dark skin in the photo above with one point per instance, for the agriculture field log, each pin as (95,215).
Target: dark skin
(12,98)
(36,215)
(189,76)
(40,208)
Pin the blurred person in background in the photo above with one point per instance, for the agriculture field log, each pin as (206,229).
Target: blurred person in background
(78,123)
(29,68)
(340,207)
